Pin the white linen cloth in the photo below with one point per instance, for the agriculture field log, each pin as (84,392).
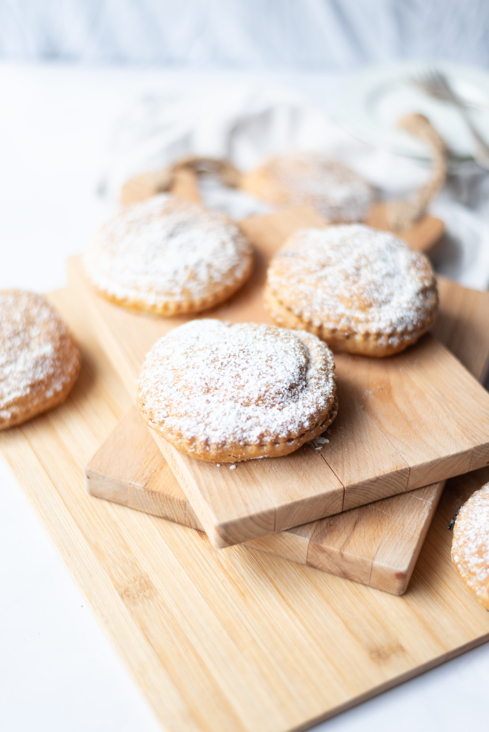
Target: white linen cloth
(245,121)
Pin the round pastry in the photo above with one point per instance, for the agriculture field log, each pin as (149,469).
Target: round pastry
(470,546)
(168,256)
(302,178)
(224,393)
(361,290)
(39,360)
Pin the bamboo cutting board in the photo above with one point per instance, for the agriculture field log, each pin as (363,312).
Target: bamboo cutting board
(400,426)
(376,544)
(233,640)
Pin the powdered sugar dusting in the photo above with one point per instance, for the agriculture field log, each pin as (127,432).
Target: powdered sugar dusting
(166,249)
(37,355)
(337,192)
(242,384)
(354,278)
(470,548)
(319,442)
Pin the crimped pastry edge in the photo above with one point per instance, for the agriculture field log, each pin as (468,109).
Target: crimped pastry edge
(170,308)
(233,453)
(376,345)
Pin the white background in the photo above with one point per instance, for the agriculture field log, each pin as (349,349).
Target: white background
(57,670)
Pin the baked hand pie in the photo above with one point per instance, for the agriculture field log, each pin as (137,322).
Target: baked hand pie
(470,545)
(169,257)
(361,290)
(312,179)
(39,359)
(227,392)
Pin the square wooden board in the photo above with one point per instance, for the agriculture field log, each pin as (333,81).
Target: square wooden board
(404,422)
(377,544)
(232,640)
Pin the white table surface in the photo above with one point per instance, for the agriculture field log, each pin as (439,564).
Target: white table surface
(58,672)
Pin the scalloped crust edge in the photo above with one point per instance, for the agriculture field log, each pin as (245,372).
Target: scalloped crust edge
(233,453)
(168,308)
(370,344)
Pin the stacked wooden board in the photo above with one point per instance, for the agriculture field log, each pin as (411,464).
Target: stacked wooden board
(376,544)
(229,640)
(363,544)
(399,425)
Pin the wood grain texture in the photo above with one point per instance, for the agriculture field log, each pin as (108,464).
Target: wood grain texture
(463,325)
(399,425)
(376,544)
(233,640)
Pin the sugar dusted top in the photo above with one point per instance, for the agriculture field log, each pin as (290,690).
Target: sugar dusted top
(470,548)
(337,192)
(166,250)
(355,278)
(37,354)
(243,384)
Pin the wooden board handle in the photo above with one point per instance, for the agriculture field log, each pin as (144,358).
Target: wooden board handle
(185,185)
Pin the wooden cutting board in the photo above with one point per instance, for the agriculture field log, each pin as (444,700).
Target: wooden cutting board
(376,544)
(404,422)
(232,640)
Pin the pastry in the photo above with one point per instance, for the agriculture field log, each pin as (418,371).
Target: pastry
(361,290)
(168,256)
(227,392)
(470,546)
(301,178)
(39,360)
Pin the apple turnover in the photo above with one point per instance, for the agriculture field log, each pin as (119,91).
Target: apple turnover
(39,359)
(169,257)
(470,546)
(226,392)
(361,290)
(311,179)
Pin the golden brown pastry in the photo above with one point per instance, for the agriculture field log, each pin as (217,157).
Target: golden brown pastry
(361,290)
(39,359)
(312,179)
(168,256)
(470,546)
(228,392)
